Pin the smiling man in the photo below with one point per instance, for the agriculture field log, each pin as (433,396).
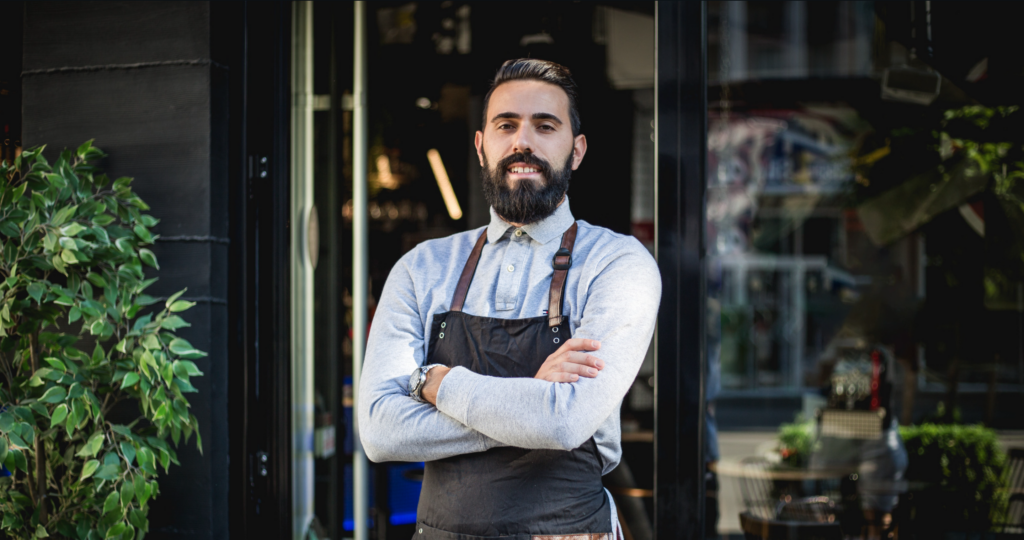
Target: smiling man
(522,337)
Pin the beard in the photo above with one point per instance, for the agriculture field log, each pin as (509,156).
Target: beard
(528,201)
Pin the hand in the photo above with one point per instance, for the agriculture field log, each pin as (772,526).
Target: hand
(571,361)
(434,376)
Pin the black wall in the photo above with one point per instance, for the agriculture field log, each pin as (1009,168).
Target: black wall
(144,79)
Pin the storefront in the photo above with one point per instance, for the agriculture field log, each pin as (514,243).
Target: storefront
(833,192)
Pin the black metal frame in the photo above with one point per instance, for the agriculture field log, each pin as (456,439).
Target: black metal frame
(259,301)
(680,366)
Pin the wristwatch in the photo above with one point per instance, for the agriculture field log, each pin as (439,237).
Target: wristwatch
(417,380)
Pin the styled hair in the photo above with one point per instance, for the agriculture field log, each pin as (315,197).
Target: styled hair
(525,69)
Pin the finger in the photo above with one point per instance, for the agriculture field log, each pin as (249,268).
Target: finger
(583,358)
(579,344)
(580,369)
(561,377)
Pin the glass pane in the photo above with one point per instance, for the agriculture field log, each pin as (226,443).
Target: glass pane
(865,201)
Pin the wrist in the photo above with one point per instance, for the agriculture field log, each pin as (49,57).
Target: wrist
(433,384)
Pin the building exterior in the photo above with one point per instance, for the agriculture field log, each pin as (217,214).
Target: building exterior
(787,163)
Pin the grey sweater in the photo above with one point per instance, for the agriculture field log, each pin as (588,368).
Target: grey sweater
(612,294)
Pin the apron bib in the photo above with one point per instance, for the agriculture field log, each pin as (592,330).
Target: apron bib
(514,493)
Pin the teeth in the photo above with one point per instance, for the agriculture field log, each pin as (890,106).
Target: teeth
(521,170)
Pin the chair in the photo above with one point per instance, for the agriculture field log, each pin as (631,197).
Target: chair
(759,528)
(1014,523)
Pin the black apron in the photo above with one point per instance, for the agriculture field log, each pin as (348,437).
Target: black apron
(514,493)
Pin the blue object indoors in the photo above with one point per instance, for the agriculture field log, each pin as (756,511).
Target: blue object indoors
(403,488)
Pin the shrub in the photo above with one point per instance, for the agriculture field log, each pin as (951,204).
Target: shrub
(964,473)
(79,338)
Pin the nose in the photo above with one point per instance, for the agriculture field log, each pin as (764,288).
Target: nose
(522,142)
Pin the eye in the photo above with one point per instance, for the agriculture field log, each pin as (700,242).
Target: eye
(546,127)
(506,126)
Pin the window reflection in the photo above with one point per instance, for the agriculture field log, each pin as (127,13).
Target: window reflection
(865,268)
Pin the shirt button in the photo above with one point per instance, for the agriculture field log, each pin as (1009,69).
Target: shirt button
(511,268)
(519,232)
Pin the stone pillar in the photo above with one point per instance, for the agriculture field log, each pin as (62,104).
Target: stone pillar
(142,80)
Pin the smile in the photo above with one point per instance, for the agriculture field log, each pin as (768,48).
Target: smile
(523,170)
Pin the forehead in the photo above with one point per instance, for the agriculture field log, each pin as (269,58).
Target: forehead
(527,98)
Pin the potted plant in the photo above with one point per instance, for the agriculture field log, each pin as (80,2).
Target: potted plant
(92,377)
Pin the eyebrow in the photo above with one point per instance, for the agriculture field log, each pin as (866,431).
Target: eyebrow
(536,116)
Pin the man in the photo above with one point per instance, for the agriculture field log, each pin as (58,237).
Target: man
(522,338)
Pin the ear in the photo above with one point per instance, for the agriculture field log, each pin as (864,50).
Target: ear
(579,148)
(478,140)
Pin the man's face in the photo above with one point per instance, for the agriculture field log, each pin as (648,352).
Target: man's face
(527,150)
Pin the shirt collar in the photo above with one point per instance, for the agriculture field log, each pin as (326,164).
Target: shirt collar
(542,231)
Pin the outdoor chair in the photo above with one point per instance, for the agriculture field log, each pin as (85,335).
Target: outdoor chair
(1014,523)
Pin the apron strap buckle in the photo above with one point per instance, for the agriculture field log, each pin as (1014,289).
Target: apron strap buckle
(562,252)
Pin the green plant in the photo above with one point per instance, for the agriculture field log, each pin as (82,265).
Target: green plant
(961,473)
(796,442)
(93,376)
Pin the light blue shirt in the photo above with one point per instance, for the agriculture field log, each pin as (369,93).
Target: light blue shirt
(612,293)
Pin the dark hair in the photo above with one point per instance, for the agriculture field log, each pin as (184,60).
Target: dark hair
(525,69)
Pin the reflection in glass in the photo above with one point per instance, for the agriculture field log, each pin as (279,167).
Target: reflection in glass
(865,232)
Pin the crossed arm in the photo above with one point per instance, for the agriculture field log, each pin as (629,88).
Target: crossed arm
(472,412)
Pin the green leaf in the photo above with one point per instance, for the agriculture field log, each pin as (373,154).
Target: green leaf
(173,322)
(127,493)
(184,386)
(41,532)
(146,460)
(116,530)
(123,244)
(89,468)
(76,391)
(18,192)
(6,421)
(108,472)
(143,233)
(61,216)
(149,258)
(110,504)
(36,290)
(92,446)
(68,256)
(3,449)
(150,342)
(56,364)
(59,414)
(58,263)
(103,220)
(84,148)
(96,279)
(174,297)
(74,314)
(140,490)
(128,451)
(54,395)
(181,305)
(71,229)
(129,380)
(16,440)
(19,459)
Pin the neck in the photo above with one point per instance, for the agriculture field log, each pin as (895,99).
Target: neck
(514,224)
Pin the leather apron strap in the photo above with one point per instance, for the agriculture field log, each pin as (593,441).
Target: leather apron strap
(467,273)
(561,263)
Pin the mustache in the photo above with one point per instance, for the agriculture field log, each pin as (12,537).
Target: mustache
(529,159)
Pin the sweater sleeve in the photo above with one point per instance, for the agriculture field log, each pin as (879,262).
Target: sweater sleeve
(392,425)
(623,291)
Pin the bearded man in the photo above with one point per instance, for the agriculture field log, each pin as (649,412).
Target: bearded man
(522,338)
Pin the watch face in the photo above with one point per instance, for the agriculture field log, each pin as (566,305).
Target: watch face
(414,381)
